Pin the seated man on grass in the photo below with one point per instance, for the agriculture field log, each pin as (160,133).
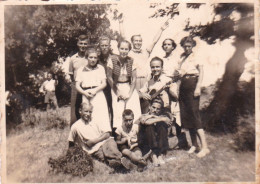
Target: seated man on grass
(154,131)
(96,140)
(126,138)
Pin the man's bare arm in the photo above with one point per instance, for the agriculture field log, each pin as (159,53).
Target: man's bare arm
(157,119)
(92,142)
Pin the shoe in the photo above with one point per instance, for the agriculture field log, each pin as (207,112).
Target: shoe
(161,161)
(142,163)
(147,155)
(114,163)
(203,153)
(192,149)
(128,164)
(155,160)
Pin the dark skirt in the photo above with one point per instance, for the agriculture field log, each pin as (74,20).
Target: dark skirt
(189,105)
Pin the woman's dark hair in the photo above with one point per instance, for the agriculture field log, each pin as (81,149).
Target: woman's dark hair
(124,41)
(157,59)
(91,50)
(173,43)
(188,39)
(104,38)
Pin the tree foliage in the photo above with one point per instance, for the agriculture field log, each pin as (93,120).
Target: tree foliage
(223,26)
(39,37)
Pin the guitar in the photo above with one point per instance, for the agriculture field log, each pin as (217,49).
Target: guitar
(155,92)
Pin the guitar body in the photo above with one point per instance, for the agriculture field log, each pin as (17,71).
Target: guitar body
(145,104)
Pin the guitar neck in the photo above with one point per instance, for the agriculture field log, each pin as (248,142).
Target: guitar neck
(157,92)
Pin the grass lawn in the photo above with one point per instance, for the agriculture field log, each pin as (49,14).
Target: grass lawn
(29,148)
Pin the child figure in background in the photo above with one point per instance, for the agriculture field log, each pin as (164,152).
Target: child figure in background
(126,139)
(48,88)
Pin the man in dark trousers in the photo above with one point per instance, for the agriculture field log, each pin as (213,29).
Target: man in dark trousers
(75,62)
(154,131)
(105,53)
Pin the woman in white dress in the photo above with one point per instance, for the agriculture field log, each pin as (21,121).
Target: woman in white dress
(90,82)
(121,74)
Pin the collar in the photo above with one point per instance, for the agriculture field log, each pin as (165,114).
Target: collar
(86,123)
(159,79)
(126,129)
(137,51)
(169,55)
(104,58)
(77,55)
(123,61)
(86,68)
(183,55)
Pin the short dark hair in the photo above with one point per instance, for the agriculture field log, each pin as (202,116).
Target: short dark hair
(188,39)
(132,38)
(124,41)
(156,58)
(128,112)
(83,37)
(158,100)
(174,45)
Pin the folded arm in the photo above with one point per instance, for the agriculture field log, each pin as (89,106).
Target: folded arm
(92,142)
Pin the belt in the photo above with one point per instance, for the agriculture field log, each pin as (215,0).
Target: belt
(187,76)
(141,77)
(91,87)
(123,82)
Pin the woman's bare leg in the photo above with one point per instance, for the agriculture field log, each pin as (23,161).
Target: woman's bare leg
(193,136)
(204,147)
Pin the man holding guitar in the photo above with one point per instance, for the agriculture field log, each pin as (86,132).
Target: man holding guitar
(157,85)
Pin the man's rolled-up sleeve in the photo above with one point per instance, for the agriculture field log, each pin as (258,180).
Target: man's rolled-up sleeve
(72,134)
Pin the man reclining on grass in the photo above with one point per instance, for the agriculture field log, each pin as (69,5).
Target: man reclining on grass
(96,140)
(126,139)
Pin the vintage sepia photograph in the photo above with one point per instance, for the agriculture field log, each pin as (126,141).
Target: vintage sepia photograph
(129,91)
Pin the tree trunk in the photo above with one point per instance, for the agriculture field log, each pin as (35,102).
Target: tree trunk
(215,113)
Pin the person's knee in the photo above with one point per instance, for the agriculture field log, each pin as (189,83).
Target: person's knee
(138,153)
(126,152)
(111,149)
(162,126)
(149,128)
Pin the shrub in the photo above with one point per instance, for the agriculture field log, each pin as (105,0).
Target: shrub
(241,104)
(55,120)
(244,138)
(75,162)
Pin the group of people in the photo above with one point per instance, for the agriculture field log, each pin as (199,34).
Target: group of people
(123,106)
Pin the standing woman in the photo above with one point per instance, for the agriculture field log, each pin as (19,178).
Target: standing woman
(121,74)
(192,74)
(90,82)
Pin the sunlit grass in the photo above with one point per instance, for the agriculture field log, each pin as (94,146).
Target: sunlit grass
(29,149)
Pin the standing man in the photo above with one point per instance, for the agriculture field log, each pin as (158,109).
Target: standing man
(75,62)
(48,88)
(105,53)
